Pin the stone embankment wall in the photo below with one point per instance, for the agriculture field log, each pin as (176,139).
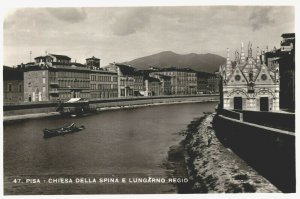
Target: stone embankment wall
(213,168)
(270,151)
(46,107)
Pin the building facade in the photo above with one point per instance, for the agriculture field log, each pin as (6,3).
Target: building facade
(56,79)
(93,63)
(13,85)
(130,81)
(166,87)
(104,84)
(183,81)
(285,58)
(153,86)
(248,83)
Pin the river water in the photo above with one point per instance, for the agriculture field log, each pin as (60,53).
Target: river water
(128,143)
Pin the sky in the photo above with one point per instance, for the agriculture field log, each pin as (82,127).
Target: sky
(119,34)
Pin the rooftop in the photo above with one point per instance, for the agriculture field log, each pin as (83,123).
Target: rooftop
(92,58)
(152,79)
(128,70)
(288,35)
(61,56)
(10,73)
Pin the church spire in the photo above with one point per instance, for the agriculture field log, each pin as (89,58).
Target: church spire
(257,56)
(242,53)
(228,62)
(262,56)
(250,49)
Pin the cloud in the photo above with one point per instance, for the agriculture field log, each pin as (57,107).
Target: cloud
(71,15)
(131,21)
(260,17)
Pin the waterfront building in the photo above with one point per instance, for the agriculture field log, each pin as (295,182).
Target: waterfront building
(183,80)
(285,58)
(56,78)
(213,83)
(48,59)
(248,83)
(166,88)
(153,86)
(104,84)
(207,83)
(130,81)
(13,85)
(93,63)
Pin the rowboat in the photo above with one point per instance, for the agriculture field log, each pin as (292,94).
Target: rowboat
(72,128)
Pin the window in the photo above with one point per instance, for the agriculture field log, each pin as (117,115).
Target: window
(264,77)
(237,78)
(44,80)
(44,89)
(20,87)
(9,88)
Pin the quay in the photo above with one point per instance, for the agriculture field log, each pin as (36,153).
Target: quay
(46,109)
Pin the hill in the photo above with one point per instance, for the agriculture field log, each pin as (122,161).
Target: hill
(199,62)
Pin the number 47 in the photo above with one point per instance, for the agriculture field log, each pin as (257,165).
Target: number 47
(17,180)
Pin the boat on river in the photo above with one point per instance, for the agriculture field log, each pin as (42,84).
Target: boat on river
(72,128)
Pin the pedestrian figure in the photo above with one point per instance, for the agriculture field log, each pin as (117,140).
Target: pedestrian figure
(209,140)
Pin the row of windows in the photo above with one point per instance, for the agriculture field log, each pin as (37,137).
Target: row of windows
(102,78)
(138,80)
(11,88)
(70,95)
(74,75)
(104,95)
(128,92)
(178,73)
(126,83)
(73,84)
(104,86)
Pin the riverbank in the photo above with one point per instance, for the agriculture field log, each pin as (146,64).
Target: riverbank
(11,118)
(211,167)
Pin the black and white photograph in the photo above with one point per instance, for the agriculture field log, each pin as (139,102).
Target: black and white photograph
(148,99)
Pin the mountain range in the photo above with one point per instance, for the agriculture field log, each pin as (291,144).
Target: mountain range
(198,62)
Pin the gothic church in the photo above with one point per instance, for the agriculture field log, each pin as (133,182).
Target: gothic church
(248,83)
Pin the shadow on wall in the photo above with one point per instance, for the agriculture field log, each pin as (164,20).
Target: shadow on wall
(272,154)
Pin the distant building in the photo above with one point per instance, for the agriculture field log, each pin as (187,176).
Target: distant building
(285,58)
(207,83)
(153,87)
(248,83)
(13,85)
(213,84)
(138,83)
(56,78)
(183,80)
(93,63)
(130,81)
(50,59)
(166,87)
(104,84)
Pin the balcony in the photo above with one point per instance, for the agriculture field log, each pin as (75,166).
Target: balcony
(53,92)
(54,84)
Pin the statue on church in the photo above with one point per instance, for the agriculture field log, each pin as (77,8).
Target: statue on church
(250,49)
(237,56)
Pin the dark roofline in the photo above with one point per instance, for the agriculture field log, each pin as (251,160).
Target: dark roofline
(152,79)
(288,35)
(92,58)
(177,69)
(60,56)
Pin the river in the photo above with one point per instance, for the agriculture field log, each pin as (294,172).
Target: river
(129,144)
